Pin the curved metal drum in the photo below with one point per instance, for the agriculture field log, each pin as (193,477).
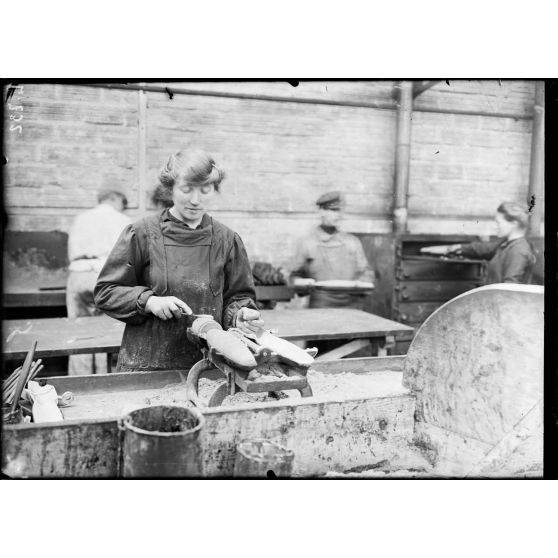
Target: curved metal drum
(476,368)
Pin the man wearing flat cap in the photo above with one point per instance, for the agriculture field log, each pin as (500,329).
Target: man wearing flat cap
(331,254)
(91,238)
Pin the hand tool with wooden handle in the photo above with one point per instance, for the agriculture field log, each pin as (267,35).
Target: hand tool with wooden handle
(23,376)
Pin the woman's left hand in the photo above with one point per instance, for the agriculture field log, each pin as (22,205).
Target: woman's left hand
(248,321)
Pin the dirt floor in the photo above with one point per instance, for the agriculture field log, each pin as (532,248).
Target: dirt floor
(324,385)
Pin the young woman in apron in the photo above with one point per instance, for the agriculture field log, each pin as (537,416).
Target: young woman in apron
(511,257)
(178,262)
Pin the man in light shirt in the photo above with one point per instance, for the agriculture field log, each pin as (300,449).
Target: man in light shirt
(92,236)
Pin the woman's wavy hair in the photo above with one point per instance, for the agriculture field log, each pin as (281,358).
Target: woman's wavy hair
(514,212)
(193,167)
(161,196)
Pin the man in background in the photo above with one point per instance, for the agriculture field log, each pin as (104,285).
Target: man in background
(91,238)
(331,254)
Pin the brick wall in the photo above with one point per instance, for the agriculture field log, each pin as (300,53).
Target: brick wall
(279,156)
(74,140)
(463,166)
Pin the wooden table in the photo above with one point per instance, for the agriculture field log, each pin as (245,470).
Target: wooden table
(32,297)
(101,334)
(17,296)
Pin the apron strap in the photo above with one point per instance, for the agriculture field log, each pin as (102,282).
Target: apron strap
(157,256)
(158,259)
(216,259)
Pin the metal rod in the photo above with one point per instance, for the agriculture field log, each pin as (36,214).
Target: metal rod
(419,88)
(10,386)
(35,370)
(381,105)
(475,113)
(402,156)
(387,105)
(142,149)
(12,377)
(536,171)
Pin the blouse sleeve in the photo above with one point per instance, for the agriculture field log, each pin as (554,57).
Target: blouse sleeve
(119,292)
(481,250)
(239,290)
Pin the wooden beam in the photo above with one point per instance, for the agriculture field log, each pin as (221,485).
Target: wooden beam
(344,350)
(421,86)
(277,384)
(361,365)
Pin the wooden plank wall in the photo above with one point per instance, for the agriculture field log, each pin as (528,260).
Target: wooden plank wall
(279,156)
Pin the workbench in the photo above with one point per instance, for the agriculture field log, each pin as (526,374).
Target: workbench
(31,296)
(329,432)
(466,401)
(101,334)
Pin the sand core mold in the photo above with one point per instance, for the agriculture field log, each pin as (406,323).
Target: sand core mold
(343,385)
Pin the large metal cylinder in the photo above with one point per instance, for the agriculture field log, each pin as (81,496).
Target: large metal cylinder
(162,441)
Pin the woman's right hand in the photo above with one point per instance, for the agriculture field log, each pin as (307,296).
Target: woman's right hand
(441,250)
(454,250)
(166,307)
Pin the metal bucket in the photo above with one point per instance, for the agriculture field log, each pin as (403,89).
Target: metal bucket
(161,441)
(261,458)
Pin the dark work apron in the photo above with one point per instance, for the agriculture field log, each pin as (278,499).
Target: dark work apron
(186,264)
(334,261)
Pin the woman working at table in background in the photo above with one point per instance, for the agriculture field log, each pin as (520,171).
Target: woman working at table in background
(511,257)
(178,261)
